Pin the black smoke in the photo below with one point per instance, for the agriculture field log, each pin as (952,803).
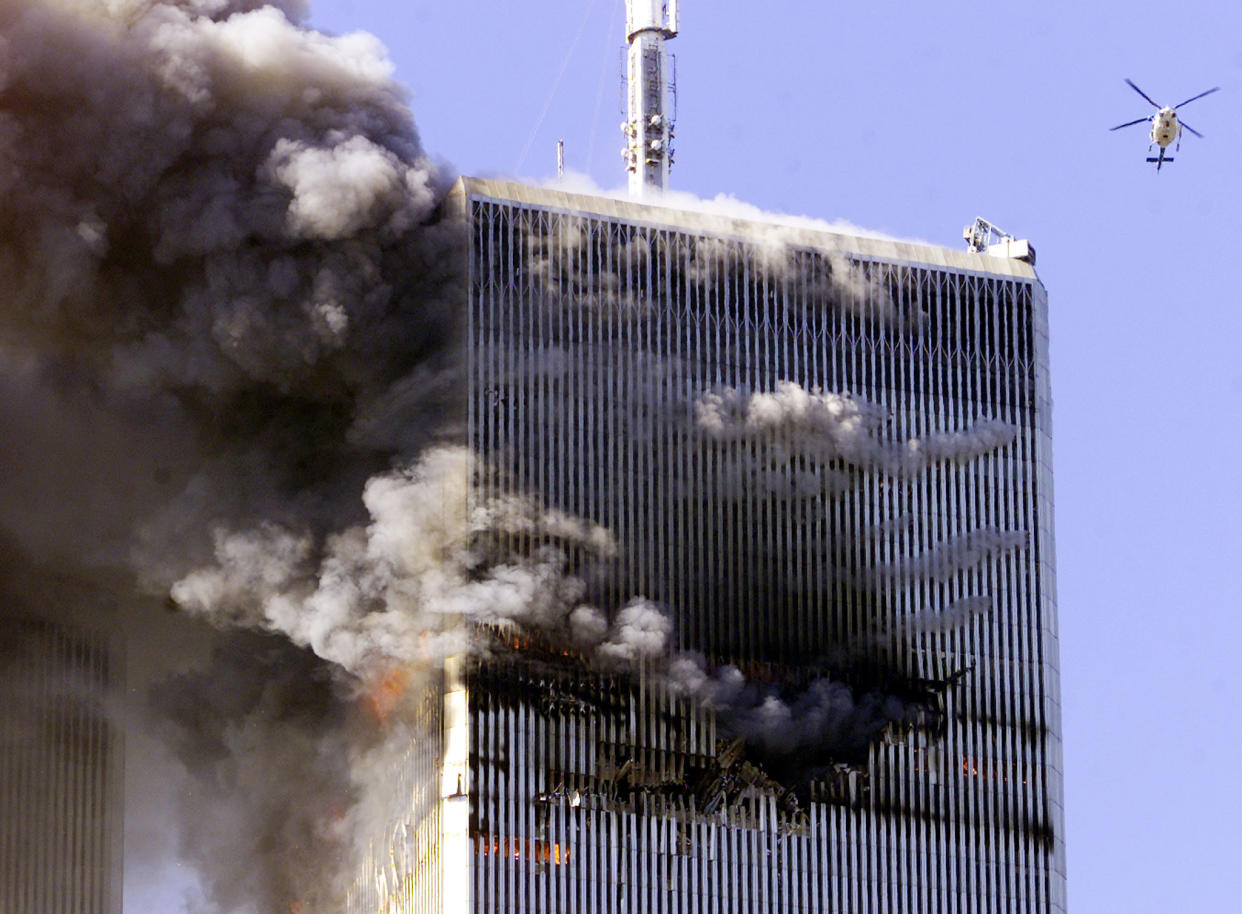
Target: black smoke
(264,721)
(226,300)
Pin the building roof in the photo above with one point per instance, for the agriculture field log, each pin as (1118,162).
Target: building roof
(800,233)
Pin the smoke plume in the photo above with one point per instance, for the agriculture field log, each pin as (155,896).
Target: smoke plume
(228,303)
(220,287)
(437,561)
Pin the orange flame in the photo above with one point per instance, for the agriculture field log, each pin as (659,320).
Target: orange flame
(385,691)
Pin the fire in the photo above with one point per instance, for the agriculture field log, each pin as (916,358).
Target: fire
(384,691)
(519,848)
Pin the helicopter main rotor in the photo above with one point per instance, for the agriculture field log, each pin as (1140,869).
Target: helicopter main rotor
(1159,108)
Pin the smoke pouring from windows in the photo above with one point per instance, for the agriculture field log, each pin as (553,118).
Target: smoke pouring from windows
(228,379)
(824,426)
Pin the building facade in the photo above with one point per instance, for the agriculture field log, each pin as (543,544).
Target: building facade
(826,459)
(61,815)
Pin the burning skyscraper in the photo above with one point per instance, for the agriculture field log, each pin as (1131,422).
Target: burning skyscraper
(810,478)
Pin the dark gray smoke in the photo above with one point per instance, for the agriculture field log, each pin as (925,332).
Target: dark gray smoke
(262,721)
(226,304)
(215,262)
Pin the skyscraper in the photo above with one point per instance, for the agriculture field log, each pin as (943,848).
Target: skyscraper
(60,770)
(826,459)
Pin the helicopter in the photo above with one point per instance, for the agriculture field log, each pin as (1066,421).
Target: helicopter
(1166,128)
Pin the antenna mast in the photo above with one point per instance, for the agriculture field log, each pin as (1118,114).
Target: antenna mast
(649,130)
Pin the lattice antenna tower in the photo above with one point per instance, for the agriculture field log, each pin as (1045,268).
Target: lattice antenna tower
(649,88)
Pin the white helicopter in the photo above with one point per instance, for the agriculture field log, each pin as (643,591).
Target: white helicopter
(1165,126)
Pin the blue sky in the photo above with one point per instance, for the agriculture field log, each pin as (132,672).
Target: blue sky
(913,119)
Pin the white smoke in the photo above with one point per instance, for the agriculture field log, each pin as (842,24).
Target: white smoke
(827,423)
(983,437)
(641,632)
(343,188)
(726,207)
(575,263)
(422,578)
(822,426)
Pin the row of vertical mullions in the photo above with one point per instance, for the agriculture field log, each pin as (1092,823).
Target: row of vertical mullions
(726,344)
(59,774)
(965,829)
(402,869)
(984,505)
(1009,658)
(1042,770)
(930,533)
(1029,711)
(976,799)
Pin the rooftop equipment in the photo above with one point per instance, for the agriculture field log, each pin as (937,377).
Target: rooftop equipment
(982,237)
